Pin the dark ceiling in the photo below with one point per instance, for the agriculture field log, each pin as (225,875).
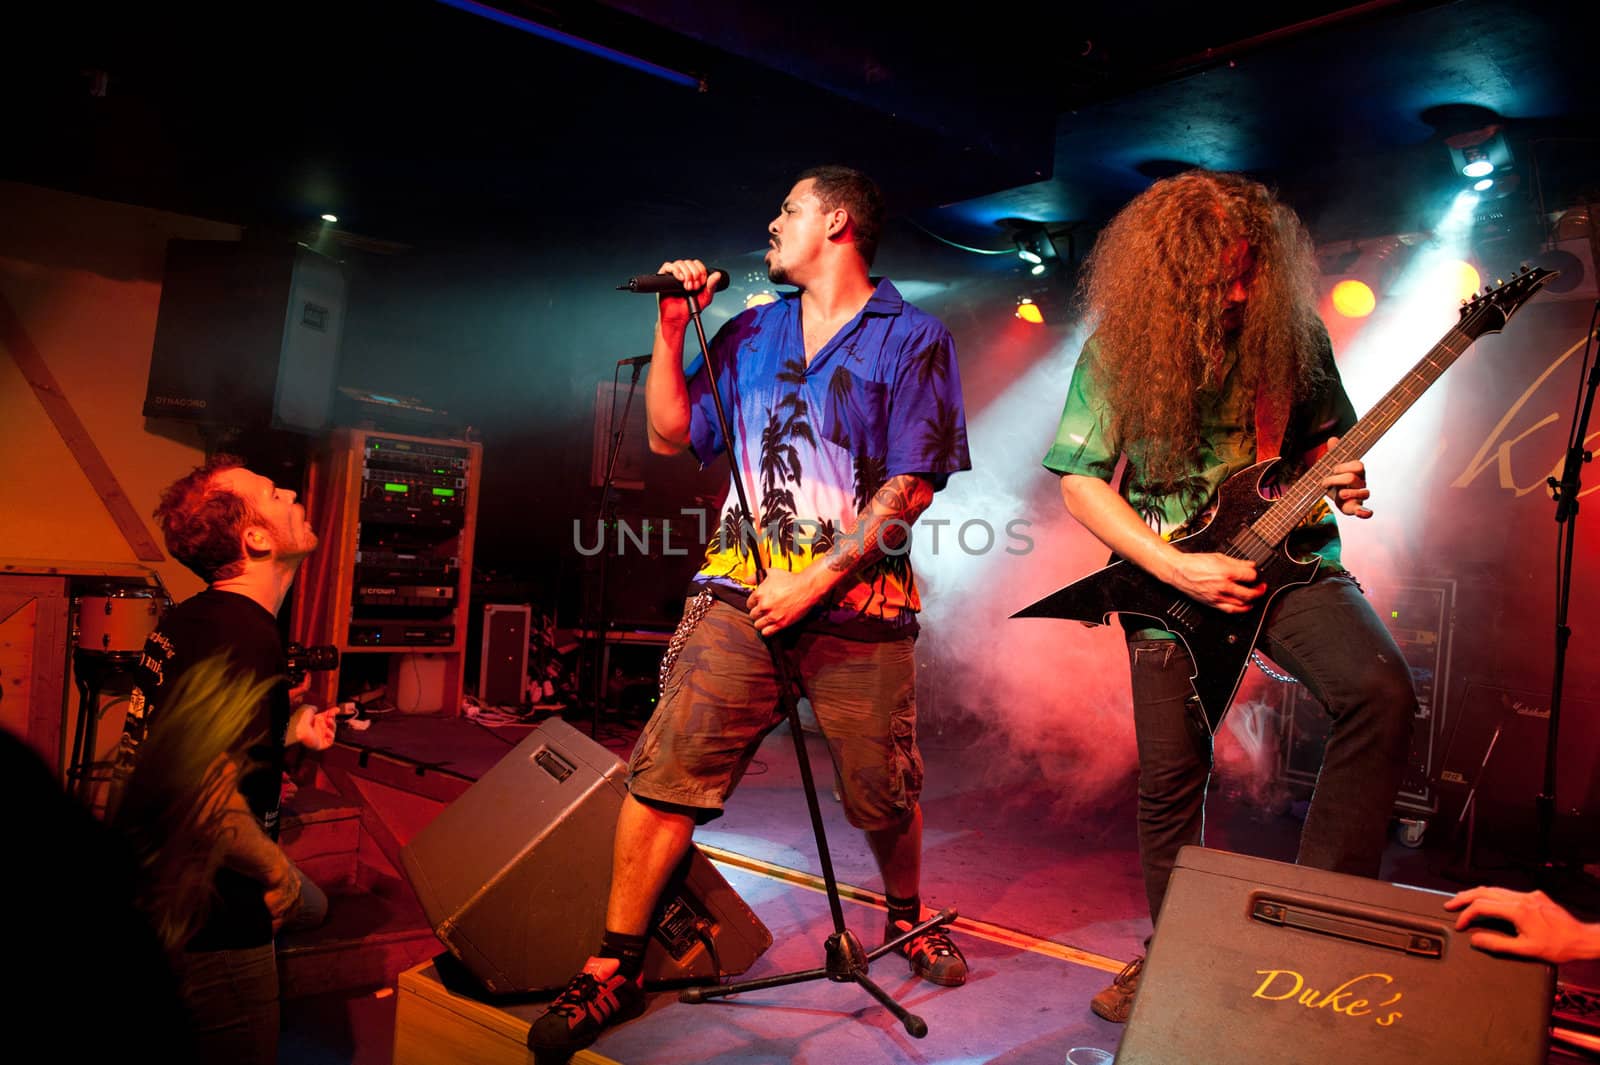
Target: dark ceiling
(421,120)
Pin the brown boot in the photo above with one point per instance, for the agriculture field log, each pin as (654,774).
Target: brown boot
(1116,1001)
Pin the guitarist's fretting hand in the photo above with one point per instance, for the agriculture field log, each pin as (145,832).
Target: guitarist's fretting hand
(1347,486)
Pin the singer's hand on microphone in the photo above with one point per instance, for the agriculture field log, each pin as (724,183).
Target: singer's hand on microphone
(674,309)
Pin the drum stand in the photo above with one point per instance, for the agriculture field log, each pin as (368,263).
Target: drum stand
(109,629)
(92,670)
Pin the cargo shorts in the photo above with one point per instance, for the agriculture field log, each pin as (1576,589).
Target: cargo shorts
(719,699)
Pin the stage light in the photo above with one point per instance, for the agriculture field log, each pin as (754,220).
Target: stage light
(1483,185)
(1029,311)
(1463,278)
(330,218)
(1037,270)
(1034,245)
(1353,299)
(1477,152)
(756,299)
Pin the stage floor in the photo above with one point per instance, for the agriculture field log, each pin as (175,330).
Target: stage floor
(1047,884)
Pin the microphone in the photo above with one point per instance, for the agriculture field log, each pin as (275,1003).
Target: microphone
(637,360)
(666,283)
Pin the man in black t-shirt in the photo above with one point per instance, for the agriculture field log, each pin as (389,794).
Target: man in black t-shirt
(246,538)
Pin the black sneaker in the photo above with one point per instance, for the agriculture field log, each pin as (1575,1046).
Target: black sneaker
(590,1004)
(933,955)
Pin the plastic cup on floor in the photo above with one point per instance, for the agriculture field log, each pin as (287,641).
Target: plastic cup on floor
(1088,1056)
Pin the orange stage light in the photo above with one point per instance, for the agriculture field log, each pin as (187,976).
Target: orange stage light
(1353,299)
(1464,279)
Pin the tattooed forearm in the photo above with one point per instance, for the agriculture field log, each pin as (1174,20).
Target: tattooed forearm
(884,527)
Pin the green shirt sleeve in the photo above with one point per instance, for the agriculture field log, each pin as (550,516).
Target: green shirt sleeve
(1082,443)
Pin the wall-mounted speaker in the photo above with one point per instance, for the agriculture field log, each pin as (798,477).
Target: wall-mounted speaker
(247,335)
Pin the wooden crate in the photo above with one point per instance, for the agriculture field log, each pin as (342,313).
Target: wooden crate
(434,1024)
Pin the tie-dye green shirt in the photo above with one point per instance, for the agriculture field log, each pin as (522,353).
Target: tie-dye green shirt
(1083,445)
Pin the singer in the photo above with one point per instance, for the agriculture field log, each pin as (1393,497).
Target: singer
(848,407)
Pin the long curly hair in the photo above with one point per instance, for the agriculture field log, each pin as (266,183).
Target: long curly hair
(1153,291)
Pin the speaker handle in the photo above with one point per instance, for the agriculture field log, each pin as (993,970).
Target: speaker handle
(1309,917)
(553,763)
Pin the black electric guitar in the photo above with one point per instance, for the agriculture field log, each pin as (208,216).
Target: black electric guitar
(1250,526)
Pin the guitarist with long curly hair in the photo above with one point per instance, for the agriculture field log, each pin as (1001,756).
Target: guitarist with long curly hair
(1206,357)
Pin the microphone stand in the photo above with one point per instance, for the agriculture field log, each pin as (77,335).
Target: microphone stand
(1565,492)
(846,960)
(602,617)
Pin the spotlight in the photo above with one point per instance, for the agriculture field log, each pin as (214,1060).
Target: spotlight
(1462,277)
(756,299)
(1477,153)
(1357,271)
(1353,299)
(1034,245)
(1477,165)
(330,218)
(1038,269)
(1029,311)
(1483,185)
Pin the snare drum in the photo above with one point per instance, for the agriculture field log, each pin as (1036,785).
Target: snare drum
(118,622)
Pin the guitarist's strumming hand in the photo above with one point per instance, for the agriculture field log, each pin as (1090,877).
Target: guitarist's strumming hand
(1220,581)
(1347,486)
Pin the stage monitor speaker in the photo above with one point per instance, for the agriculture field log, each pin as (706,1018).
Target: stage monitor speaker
(514,875)
(1262,961)
(247,336)
(1497,746)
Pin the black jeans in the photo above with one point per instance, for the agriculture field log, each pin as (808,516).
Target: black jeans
(1327,635)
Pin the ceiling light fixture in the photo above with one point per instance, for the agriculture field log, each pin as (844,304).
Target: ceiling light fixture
(1034,244)
(1477,153)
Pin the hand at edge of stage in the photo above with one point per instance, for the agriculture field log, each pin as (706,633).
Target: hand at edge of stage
(1544,930)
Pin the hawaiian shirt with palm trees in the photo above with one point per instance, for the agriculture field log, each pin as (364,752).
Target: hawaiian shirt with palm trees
(815,443)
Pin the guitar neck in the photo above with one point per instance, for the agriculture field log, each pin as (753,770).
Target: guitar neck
(1276,522)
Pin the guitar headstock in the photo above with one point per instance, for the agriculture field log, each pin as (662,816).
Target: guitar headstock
(1491,309)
